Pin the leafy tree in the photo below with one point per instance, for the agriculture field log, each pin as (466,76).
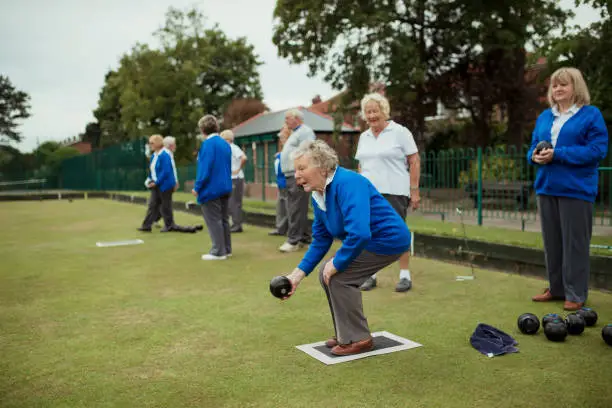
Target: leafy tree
(491,71)
(14,106)
(356,43)
(197,70)
(108,112)
(468,53)
(588,50)
(92,134)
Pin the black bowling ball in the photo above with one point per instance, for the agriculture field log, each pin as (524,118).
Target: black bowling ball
(550,317)
(543,145)
(606,334)
(589,315)
(575,323)
(555,331)
(280,286)
(528,323)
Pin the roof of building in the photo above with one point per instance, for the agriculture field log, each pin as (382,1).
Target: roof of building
(271,122)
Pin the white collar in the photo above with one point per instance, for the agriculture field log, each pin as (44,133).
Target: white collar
(320,198)
(212,135)
(572,110)
(390,125)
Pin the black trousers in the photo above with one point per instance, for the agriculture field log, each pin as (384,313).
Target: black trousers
(159,203)
(567,225)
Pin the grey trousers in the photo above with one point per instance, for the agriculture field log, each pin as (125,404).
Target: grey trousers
(216,216)
(567,224)
(282,221)
(299,229)
(159,203)
(344,295)
(235,203)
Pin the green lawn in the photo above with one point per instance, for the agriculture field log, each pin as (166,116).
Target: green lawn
(423,225)
(154,326)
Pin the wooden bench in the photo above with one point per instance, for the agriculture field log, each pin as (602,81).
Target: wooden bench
(518,191)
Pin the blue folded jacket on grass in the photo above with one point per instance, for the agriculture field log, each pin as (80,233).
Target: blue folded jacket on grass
(491,341)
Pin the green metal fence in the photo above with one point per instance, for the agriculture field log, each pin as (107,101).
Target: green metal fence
(492,183)
(485,184)
(119,167)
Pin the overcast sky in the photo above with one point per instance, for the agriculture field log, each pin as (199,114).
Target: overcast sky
(58,51)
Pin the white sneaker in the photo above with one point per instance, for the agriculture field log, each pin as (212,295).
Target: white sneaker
(209,257)
(287,247)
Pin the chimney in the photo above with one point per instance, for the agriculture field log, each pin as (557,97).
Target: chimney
(316,99)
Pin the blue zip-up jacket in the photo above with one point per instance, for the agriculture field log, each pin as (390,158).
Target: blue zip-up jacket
(581,145)
(281,181)
(214,170)
(360,217)
(162,171)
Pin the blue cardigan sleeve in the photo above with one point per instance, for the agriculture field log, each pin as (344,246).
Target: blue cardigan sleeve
(205,161)
(354,203)
(595,149)
(321,242)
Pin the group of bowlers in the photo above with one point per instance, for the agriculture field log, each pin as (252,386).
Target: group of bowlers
(366,209)
(386,152)
(163,182)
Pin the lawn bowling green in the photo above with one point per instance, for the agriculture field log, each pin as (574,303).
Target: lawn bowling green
(151,325)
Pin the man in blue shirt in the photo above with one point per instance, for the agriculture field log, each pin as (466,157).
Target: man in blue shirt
(213,186)
(162,183)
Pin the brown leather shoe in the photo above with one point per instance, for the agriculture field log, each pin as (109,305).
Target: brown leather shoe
(546,297)
(353,348)
(332,342)
(572,306)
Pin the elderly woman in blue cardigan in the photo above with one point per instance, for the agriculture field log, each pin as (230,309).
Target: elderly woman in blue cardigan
(349,208)
(566,184)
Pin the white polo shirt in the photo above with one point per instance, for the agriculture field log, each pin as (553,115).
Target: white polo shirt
(383,159)
(237,155)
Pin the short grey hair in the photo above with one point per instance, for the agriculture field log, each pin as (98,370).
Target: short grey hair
(227,135)
(294,113)
(169,141)
(208,124)
(320,153)
(382,102)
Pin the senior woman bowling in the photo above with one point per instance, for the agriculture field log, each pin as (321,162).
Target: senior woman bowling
(349,208)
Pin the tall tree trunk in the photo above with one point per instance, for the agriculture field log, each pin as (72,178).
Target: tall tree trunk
(420,91)
(516,101)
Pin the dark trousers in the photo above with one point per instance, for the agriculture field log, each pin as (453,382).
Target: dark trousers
(159,203)
(299,230)
(216,216)
(567,224)
(282,220)
(235,203)
(344,296)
